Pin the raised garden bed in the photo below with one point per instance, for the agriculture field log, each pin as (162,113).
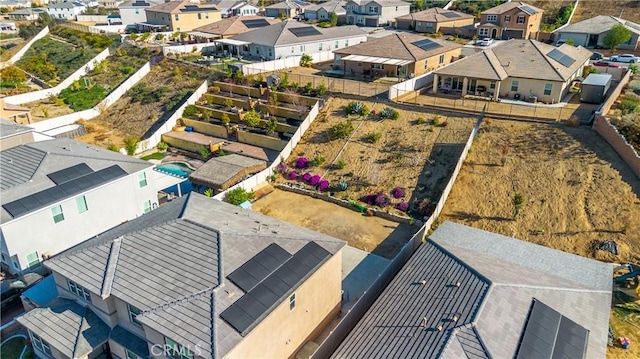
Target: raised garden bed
(625,114)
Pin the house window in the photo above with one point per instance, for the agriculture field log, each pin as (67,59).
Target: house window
(33,260)
(320,47)
(492,86)
(199,16)
(177,17)
(206,15)
(441,59)
(16,264)
(40,344)
(137,11)
(292,301)
(142,179)
(301,48)
(520,19)
(79,290)
(507,18)
(396,8)
(58,216)
(359,64)
(548,88)
(377,66)
(336,45)
(514,85)
(177,351)
(484,31)
(81,203)
(346,42)
(133,313)
(418,25)
(131,355)
(374,9)
(146,207)
(292,50)
(426,64)
(428,25)
(270,53)
(492,18)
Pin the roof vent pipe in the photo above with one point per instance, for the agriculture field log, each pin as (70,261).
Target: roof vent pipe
(424,322)
(509,64)
(439,328)
(458,284)
(423,282)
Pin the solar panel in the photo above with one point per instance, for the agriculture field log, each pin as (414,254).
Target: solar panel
(559,56)
(426,44)
(549,334)
(528,9)
(61,191)
(259,267)
(248,311)
(450,14)
(251,24)
(300,3)
(70,173)
(305,31)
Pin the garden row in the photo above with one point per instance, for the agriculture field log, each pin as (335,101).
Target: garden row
(626,114)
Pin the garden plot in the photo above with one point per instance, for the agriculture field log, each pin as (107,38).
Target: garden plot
(156,96)
(88,91)
(625,114)
(574,190)
(397,165)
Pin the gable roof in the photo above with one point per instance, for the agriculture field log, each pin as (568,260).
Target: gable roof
(383,3)
(66,5)
(400,46)
(520,59)
(600,24)
(26,168)
(436,14)
(289,4)
(182,292)
(234,25)
(507,6)
(8,129)
(500,279)
(336,6)
(279,34)
(137,4)
(176,7)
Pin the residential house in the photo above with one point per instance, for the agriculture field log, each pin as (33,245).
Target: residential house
(8,27)
(321,11)
(468,293)
(293,38)
(591,32)
(232,26)
(235,8)
(133,12)
(181,16)
(57,193)
(110,4)
(375,13)
(520,69)
(510,20)
(15,4)
(287,9)
(435,20)
(197,277)
(26,14)
(396,55)
(14,134)
(66,10)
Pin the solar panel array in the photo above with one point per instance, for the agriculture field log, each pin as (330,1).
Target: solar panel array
(450,14)
(528,9)
(305,31)
(64,190)
(426,44)
(549,334)
(249,310)
(559,56)
(300,3)
(256,269)
(252,24)
(70,173)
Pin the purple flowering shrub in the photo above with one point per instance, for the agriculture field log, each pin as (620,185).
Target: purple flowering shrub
(324,185)
(302,162)
(382,199)
(397,192)
(281,167)
(403,206)
(314,180)
(293,175)
(369,199)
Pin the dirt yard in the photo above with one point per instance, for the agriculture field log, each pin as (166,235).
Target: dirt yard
(371,234)
(409,153)
(625,322)
(577,192)
(46,109)
(627,9)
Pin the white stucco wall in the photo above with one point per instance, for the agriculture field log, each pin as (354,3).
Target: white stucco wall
(130,17)
(313,47)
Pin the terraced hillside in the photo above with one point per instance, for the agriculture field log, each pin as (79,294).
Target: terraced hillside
(630,9)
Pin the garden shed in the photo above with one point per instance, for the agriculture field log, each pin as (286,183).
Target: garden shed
(220,173)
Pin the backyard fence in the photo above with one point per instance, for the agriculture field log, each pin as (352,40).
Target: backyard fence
(185,49)
(624,149)
(414,84)
(97,109)
(289,62)
(154,135)
(617,91)
(55,91)
(18,55)
(337,85)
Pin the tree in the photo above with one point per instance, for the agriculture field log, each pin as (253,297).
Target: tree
(13,75)
(239,195)
(419,5)
(306,60)
(333,18)
(570,42)
(617,35)
(131,145)
(251,118)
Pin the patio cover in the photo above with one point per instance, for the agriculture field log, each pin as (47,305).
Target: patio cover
(223,172)
(204,34)
(377,60)
(153,26)
(232,42)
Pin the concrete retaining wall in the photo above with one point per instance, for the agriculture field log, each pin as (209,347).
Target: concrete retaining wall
(610,133)
(259,140)
(289,62)
(206,128)
(407,87)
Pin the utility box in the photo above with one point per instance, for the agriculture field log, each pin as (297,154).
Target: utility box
(595,87)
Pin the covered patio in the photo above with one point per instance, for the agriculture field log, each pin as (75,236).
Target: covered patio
(373,66)
(231,47)
(149,27)
(488,89)
(220,173)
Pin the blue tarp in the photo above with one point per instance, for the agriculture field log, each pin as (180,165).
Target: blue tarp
(43,292)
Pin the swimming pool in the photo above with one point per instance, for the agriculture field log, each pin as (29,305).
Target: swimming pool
(177,169)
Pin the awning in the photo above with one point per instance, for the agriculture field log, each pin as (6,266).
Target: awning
(204,34)
(232,42)
(377,60)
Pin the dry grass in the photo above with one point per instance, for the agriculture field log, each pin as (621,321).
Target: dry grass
(630,9)
(625,322)
(576,189)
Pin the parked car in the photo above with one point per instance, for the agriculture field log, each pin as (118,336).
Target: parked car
(625,58)
(11,289)
(597,56)
(561,42)
(485,42)
(604,64)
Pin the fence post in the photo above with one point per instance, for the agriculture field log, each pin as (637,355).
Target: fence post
(534,110)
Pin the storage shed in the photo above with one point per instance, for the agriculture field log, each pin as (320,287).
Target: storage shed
(595,87)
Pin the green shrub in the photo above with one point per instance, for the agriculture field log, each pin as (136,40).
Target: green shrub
(191,110)
(162,146)
(357,108)
(127,70)
(420,121)
(112,147)
(436,120)
(239,195)
(251,118)
(146,94)
(308,87)
(373,137)
(633,68)
(321,90)
(225,119)
(131,145)
(635,86)
(317,161)
(629,104)
(205,152)
(389,113)
(341,130)
(306,60)
(340,164)
(173,102)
